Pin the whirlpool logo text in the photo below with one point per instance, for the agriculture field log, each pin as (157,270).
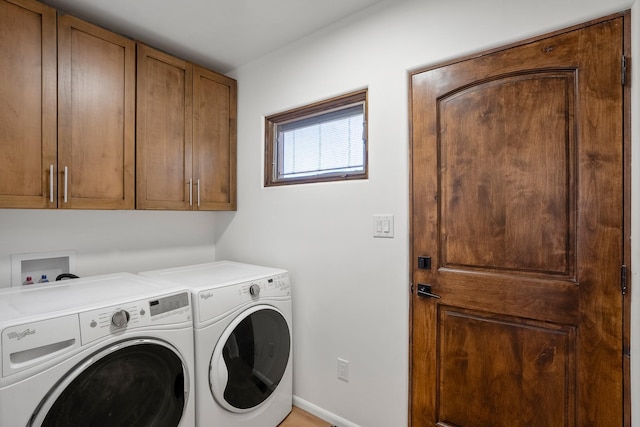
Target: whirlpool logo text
(19,335)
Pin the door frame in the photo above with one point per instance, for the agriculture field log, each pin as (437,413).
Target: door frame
(626,208)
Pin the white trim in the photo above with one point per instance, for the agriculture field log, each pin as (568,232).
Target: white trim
(322,413)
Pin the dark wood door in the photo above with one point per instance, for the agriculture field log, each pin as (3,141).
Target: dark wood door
(517,198)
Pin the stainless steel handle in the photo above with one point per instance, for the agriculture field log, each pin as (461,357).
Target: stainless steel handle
(66,180)
(198,184)
(425,291)
(190,191)
(51,183)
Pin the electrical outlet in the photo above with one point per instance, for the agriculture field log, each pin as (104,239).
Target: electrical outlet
(343,370)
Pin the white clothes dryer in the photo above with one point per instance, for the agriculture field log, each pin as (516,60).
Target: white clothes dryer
(112,350)
(243,342)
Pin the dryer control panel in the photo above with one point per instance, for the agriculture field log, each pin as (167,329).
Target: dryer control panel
(216,302)
(276,286)
(167,310)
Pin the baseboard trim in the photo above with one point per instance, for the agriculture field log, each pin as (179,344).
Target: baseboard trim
(322,413)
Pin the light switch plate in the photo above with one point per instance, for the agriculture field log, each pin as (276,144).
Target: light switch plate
(383,225)
(343,370)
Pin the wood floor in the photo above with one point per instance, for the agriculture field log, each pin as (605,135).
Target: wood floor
(300,418)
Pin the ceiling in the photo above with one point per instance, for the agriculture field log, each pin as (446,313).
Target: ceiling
(219,34)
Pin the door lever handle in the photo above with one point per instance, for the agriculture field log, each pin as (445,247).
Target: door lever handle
(425,291)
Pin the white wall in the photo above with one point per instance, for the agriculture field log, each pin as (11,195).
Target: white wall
(108,241)
(351,293)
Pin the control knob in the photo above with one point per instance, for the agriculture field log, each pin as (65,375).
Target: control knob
(254,290)
(120,318)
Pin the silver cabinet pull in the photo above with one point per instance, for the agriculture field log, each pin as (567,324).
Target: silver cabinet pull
(51,183)
(190,191)
(198,184)
(66,178)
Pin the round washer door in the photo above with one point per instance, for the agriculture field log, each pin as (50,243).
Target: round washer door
(250,358)
(141,382)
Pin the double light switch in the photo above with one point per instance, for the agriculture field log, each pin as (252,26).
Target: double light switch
(383,226)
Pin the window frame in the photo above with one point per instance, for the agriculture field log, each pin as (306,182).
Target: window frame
(326,106)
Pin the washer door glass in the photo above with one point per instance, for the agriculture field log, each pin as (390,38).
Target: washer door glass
(250,359)
(134,383)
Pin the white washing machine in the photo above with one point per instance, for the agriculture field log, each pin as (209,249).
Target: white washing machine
(113,350)
(243,342)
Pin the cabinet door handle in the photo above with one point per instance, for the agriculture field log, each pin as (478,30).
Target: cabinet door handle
(190,191)
(51,183)
(66,180)
(198,184)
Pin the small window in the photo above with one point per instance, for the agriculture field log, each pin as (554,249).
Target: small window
(325,141)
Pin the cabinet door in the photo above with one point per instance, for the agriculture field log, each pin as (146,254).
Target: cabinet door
(96,107)
(163,131)
(214,140)
(27,104)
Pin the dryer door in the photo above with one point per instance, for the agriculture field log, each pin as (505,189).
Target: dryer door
(139,382)
(250,358)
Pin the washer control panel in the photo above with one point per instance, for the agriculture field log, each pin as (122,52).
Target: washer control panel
(166,310)
(168,304)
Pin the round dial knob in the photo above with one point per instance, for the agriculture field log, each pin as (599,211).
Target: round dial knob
(120,318)
(254,290)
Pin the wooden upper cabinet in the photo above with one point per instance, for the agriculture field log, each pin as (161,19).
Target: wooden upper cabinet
(186,135)
(214,140)
(163,131)
(84,157)
(96,122)
(28,104)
